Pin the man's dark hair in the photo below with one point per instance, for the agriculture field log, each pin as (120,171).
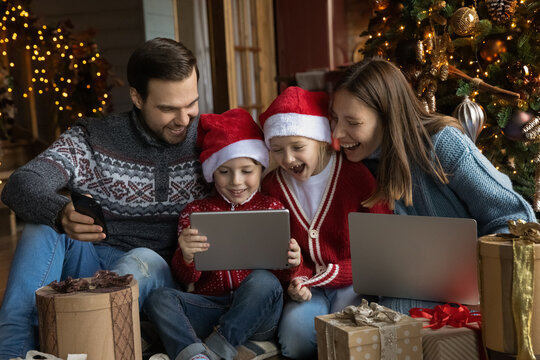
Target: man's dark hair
(159,58)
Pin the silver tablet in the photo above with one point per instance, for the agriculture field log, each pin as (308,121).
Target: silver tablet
(243,239)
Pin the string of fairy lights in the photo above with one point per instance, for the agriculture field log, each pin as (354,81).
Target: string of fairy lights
(51,64)
(60,64)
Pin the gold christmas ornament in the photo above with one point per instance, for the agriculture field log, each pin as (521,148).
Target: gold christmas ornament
(443,75)
(501,11)
(472,117)
(464,21)
(420,54)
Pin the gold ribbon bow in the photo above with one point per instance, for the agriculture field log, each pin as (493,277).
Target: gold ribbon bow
(371,314)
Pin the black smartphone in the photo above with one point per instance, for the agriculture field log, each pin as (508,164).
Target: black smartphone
(89,207)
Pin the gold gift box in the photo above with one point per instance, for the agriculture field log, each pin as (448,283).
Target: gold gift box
(102,323)
(351,341)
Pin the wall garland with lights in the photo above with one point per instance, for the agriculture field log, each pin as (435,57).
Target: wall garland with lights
(54,66)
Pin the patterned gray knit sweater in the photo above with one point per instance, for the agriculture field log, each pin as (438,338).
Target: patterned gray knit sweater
(142,183)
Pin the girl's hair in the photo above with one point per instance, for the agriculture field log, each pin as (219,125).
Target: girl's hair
(324,152)
(407,128)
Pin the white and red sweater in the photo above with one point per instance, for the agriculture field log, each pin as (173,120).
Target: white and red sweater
(324,241)
(224,281)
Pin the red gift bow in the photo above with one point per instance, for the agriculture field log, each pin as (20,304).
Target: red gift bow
(447,314)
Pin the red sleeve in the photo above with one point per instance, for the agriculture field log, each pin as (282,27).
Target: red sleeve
(336,275)
(182,272)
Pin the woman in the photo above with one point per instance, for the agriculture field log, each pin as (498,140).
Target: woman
(423,163)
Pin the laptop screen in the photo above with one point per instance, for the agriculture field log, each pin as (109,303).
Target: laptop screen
(416,257)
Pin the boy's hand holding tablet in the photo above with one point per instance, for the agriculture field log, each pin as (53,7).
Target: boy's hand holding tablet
(191,243)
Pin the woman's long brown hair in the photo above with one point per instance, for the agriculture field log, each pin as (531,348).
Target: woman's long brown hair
(407,128)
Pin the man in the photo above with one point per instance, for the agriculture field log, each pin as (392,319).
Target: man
(141,166)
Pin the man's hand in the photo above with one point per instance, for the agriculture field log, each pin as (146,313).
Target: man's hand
(80,227)
(294,254)
(191,243)
(298,292)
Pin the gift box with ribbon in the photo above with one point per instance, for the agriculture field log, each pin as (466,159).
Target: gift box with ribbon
(97,316)
(510,294)
(368,331)
(450,333)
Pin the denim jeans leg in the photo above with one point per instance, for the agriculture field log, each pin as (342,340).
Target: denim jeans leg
(296,333)
(403,305)
(255,310)
(42,256)
(182,319)
(149,269)
(342,297)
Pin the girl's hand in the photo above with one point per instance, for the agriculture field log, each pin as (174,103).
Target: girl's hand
(298,292)
(191,243)
(294,253)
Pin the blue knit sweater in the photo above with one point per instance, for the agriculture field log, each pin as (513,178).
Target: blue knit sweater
(476,189)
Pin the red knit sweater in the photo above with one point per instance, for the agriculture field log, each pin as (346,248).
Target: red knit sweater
(325,240)
(219,282)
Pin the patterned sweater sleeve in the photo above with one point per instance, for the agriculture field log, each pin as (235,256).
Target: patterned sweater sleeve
(183,272)
(39,180)
(486,192)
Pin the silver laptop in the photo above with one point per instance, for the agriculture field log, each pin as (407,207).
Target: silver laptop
(243,239)
(416,257)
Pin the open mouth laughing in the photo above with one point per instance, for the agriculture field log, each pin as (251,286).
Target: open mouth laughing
(297,169)
(350,147)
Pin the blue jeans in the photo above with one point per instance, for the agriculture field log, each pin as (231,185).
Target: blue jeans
(250,312)
(296,333)
(42,256)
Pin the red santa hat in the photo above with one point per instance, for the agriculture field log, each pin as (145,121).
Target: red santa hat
(227,136)
(297,112)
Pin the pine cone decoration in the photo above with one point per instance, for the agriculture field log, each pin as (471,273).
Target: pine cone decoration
(501,11)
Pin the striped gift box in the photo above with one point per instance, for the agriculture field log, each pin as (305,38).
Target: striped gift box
(451,343)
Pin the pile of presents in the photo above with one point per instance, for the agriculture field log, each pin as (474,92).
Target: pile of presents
(506,327)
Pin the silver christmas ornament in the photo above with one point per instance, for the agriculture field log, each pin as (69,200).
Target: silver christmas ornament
(472,117)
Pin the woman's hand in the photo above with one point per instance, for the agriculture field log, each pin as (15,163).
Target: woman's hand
(78,226)
(191,243)
(298,292)
(294,254)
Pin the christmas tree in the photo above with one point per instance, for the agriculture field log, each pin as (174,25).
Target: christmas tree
(477,60)
(63,67)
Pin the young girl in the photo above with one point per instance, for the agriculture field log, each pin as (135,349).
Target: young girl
(426,165)
(320,189)
(226,308)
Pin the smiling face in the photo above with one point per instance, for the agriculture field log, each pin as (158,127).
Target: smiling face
(357,126)
(169,108)
(237,179)
(298,155)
